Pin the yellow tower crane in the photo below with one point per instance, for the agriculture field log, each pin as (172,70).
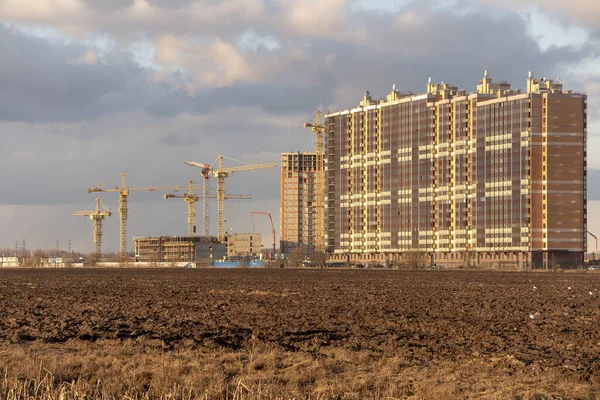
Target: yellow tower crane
(191,199)
(124,208)
(205,189)
(97,215)
(318,129)
(221,173)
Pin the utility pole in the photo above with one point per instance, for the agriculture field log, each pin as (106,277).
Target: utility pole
(69,245)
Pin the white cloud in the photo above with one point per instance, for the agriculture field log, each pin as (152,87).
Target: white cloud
(214,64)
(323,19)
(229,66)
(87,58)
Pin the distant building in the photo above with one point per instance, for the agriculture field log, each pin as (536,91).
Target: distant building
(496,177)
(9,262)
(244,244)
(297,201)
(57,262)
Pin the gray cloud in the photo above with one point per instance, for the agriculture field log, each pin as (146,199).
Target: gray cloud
(175,140)
(39,84)
(109,6)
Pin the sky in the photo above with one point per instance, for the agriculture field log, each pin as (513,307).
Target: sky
(90,88)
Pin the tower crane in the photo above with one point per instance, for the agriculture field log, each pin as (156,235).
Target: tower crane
(191,199)
(318,129)
(221,173)
(123,207)
(272,226)
(97,215)
(205,208)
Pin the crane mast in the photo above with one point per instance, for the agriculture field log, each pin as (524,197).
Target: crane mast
(318,129)
(220,200)
(123,211)
(205,209)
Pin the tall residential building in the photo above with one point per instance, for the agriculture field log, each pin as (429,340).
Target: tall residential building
(298,203)
(496,177)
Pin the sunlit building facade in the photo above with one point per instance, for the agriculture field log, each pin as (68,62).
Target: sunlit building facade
(298,202)
(496,177)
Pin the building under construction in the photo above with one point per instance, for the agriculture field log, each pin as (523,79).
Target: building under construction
(297,201)
(496,177)
(202,250)
(172,248)
(244,244)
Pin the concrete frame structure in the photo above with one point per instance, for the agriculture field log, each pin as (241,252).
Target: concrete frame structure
(169,248)
(244,244)
(297,201)
(493,178)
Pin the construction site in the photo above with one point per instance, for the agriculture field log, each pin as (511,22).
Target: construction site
(197,248)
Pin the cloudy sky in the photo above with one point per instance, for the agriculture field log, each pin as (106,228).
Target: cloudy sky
(90,88)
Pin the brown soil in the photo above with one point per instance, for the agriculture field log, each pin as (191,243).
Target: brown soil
(506,321)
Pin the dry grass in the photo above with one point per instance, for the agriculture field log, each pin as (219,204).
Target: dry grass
(136,370)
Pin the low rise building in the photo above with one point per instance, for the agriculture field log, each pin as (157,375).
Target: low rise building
(244,244)
(170,248)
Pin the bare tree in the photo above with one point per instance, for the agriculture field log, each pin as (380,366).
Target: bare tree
(415,259)
(319,259)
(295,257)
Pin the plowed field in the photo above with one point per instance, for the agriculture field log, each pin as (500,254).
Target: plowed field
(544,321)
